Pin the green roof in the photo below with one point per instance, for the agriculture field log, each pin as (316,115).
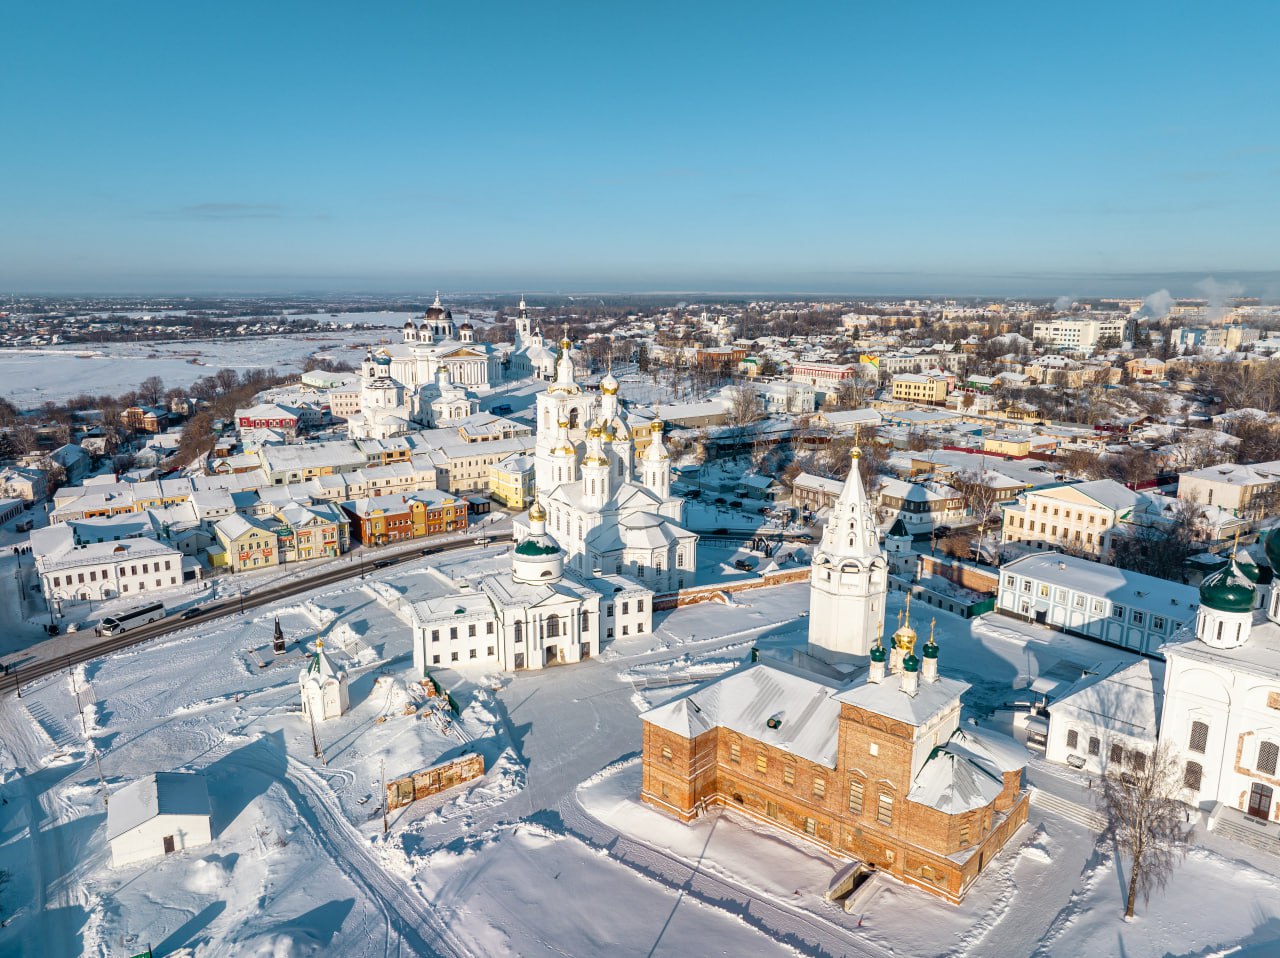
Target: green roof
(1272,545)
(531,547)
(1228,590)
(899,529)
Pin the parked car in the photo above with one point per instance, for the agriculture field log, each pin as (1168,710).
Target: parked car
(736,504)
(383,563)
(192,612)
(721,500)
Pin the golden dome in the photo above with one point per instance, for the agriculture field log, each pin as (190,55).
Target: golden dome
(563,423)
(905,638)
(595,432)
(595,460)
(609,434)
(537,513)
(566,450)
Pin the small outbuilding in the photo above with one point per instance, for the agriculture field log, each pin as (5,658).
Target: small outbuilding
(158,815)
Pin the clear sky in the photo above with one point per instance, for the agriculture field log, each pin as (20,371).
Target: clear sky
(1064,148)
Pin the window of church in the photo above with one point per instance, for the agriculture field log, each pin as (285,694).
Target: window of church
(964,834)
(810,826)
(1199,737)
(1094,745)
(735,752)
(1137,761)
(489,652)
(819,789)
(884,811)
(1268,752)
(666,752)
(1192,776)
(855,798)
(788,775)
(762,763)
(1117,754)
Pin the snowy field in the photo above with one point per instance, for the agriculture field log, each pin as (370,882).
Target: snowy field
(30,377)
(550,853)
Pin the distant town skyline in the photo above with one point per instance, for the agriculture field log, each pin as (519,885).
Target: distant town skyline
(844,150)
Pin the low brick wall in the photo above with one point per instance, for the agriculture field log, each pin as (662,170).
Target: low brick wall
(433,780)
(715,593)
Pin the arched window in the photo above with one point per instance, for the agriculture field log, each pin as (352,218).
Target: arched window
(585,621)
(553,626)
(573,418)
(1218,634)
(1192,776)
(884,810)
(1199,737)
(519,630)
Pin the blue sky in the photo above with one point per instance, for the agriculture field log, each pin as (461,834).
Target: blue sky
(1069,149)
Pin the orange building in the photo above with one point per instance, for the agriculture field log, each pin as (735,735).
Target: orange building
(386,519)
(877,770)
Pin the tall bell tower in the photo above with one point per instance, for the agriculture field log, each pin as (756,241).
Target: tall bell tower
(849,579)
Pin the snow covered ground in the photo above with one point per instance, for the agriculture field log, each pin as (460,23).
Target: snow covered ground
(30,377)
(550,853)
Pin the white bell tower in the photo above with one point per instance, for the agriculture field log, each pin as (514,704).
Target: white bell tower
(655,465)
(849,579)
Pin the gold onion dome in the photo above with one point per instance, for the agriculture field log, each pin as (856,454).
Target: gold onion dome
(537,513)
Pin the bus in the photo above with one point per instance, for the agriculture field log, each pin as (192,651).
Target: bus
(115,624)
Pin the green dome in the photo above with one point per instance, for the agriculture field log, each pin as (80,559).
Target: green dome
(911,663)
(877,653)
(531,547)
(1229,590)
(1272,546)
(931,651)
(1251,571)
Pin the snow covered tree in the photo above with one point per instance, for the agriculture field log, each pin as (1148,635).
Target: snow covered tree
(1145,818)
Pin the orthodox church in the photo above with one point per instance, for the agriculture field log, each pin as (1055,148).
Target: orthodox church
(537,615)
(1214,702)
(611,513)
(323,686)
(531,355)
(438,341)
(389,407)
(873,766)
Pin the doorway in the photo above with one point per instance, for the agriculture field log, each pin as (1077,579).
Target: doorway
(168,845)
(1260,801)
(551,655)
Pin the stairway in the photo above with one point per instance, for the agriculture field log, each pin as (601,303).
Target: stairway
(1069,810)
(1233,824)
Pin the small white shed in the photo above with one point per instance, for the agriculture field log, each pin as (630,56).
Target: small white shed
(162,813)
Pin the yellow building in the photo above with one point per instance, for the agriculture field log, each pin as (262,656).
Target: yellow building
(1007,445)
(913,387)
(1082,516)
(246,544)
(511,481)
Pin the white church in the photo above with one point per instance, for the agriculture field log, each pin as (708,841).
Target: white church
(390,408)
(1215,701)
(612,512)
(538,614)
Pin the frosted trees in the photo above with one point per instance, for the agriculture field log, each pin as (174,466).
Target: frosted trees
(1146,819)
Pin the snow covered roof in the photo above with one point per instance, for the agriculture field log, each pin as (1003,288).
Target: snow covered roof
(952,784)
(745,700)
(887,698)
(1128,701)
(161,793)
(1129,589)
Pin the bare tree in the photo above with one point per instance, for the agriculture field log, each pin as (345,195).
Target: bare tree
(151,390)
(1146,818)
(745,406)
(981,496)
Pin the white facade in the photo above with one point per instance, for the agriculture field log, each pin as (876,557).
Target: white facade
(538,615)
(1128,609)
(849,579)
(1222,699)
(163,813)
(586,476)
(106,570)
(323,687)
(1107,720)
(1072,333)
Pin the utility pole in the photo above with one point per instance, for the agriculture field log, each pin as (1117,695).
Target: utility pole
(382,771)
(315,739)
(106,799)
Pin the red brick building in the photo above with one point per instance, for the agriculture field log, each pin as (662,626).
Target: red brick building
(877,770)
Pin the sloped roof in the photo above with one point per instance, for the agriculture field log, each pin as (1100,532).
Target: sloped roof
(746,699)
(161,793)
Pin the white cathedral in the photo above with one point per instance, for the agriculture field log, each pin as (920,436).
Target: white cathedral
(612,512)
(389,407)
(532,356)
